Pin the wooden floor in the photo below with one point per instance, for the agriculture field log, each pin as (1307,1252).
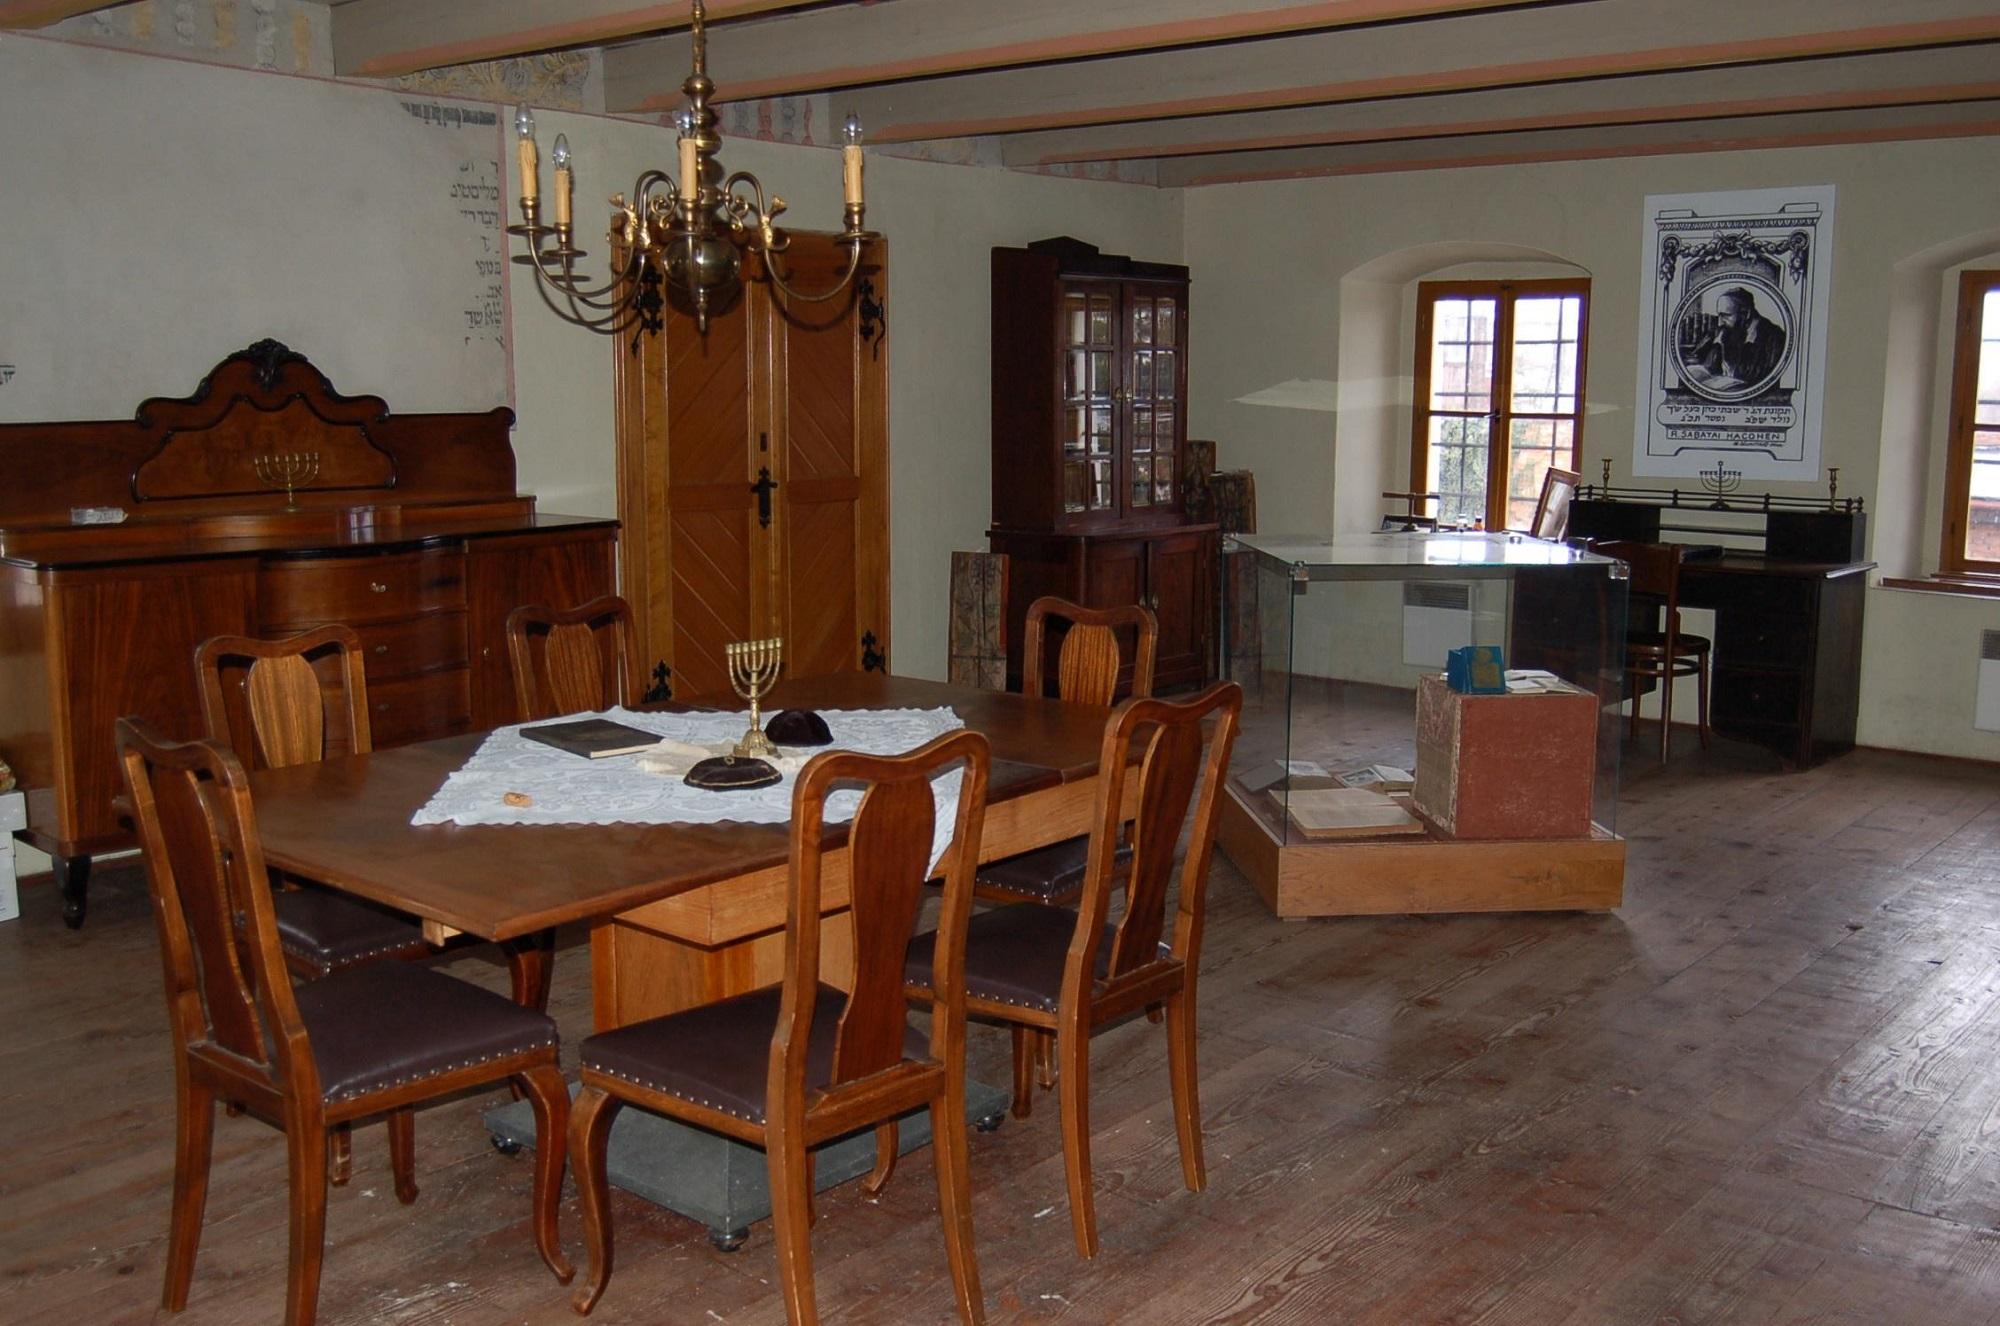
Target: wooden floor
(1766,1090)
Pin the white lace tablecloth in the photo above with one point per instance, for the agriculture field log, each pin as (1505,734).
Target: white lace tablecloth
(568,789)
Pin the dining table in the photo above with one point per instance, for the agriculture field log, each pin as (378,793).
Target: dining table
(678,914)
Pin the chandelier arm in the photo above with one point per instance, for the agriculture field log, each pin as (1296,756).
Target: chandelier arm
(610,309)
(607,323)
(778,278)
(604,296)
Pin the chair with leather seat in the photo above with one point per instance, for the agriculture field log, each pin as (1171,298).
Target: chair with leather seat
(1087,667)
(1657,654)
(372,1040)
(1551,520)
(1074,971)
(794,1064)
(573,660)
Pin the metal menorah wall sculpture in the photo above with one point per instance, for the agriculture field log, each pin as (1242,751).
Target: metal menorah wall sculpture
(1721,482)
(288,470)
(753,668)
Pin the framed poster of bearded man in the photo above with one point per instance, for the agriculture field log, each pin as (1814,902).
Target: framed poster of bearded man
(1733,333)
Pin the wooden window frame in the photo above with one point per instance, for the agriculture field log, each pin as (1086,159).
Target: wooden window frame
(1500,418)
(1952,561)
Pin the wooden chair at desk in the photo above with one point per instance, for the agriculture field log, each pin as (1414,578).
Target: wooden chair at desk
(373,1040)
(1660,656)
(573,660)
(1074,972)
(792,1065)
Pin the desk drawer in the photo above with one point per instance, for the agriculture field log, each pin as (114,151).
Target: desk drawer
(436,704)
(1762,641)
(415,645)
(1764,699)
(1756,595)
(310,591)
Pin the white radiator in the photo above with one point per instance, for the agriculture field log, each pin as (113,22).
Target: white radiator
(1986,709)
(1437,618)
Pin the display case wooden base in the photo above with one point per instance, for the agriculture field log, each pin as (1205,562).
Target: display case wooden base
(1380,877)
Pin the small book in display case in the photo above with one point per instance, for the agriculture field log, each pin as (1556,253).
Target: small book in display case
(593,738)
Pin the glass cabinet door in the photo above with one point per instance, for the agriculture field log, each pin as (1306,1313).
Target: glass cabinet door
(1089,326)
(1152,395)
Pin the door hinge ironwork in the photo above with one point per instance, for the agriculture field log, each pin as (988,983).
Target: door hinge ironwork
(662,688)
(765,483)
(872,659)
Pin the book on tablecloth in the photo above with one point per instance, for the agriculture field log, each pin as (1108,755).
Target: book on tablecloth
(594,738)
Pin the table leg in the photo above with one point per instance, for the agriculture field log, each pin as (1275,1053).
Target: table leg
(72,875)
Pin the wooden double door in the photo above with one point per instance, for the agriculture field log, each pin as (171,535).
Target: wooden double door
(753,478)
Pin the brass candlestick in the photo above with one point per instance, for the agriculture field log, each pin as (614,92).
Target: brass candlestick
(287,470)
(753,667)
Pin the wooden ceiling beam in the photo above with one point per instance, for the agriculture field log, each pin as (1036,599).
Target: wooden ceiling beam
(1496,49)
(854,45)
(1895,78)
(1749,133)
(41,13)
(382,38)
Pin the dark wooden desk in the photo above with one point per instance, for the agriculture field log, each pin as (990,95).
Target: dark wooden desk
(1787,662)
(680,913)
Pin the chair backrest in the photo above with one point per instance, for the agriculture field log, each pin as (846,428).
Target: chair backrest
(288,701)
(1087,666)
(573,660)
(1182,758)
(1552,507)
(889,847)
(229,995)
(1656,567)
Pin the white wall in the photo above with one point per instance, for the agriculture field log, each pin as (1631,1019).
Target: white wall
(1270,311)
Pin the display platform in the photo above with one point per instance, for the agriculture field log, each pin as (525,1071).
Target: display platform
(1332,639)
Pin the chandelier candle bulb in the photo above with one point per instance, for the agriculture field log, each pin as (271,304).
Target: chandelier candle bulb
(850,161)
(561,158)
(690,161)
(524,125)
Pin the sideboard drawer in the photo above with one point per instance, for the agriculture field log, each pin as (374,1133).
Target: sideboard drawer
(427,643)
(435,704)
(310,591)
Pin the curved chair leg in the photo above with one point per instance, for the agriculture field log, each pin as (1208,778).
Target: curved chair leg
(530,963)
(885,1159)
(549,1096)
(955,1199)
(1045,1058)
(589,1129)
(791,1225)
(1701,697)
(1187,1089)
(1073,1048)
(1666,708)
(403,1153)
(194,1133)
(305,1152)
(1024,1071)
(340,1154)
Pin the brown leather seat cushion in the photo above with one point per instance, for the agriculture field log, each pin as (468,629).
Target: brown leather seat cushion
(718,1055)
(1013,954)
(331,932)
(391,1022)
(1052,874)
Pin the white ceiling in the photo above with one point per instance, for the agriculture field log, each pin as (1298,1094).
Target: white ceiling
(1192,92)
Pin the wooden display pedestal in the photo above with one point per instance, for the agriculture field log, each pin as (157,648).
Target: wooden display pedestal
(1386,876)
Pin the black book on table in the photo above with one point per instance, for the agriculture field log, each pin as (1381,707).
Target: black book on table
(594,738)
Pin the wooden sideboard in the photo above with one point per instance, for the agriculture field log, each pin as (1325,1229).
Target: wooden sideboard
(409,530)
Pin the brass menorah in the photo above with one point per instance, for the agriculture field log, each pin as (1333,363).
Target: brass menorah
(753,667)
(288,470)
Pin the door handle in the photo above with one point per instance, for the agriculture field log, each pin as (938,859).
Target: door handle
(763,487)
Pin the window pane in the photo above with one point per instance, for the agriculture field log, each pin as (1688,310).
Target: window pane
(1163,471)
(1100,320)
(1982,524)
(1458,468)
(1166,322)
(1534,446)
(1100,484)
(1076,326)
(1073,485)
(1545,348)
(1163,374)
(1142,429)
(1142,374)
(1142,481)
(1462,354)
(1142,323)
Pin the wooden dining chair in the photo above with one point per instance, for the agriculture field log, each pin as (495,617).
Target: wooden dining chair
(369,1040)
(1551,519)
(792,1065)
(1072,971)
(1087,669)
(1659,651)
(573,660)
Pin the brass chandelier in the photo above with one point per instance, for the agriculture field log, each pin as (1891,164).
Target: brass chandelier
(679,242)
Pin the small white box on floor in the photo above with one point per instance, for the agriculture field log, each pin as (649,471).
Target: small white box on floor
(13,815)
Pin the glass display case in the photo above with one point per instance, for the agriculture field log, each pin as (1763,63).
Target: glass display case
(1362,783)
